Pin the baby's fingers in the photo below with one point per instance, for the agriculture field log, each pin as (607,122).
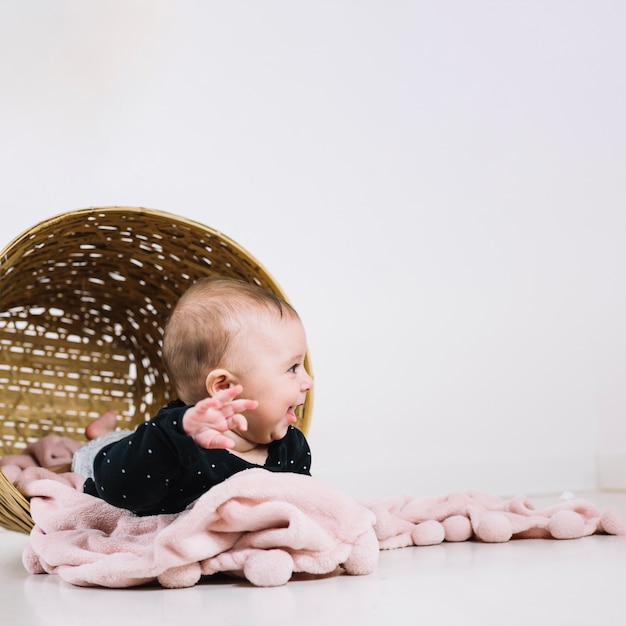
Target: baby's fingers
(239,406)
(237,421)
(226,395)
(208,437)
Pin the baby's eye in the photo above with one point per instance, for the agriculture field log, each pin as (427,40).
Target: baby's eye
(293,368)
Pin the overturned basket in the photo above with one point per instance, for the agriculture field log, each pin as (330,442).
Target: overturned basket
(84,297)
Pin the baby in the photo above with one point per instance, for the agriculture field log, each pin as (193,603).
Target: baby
(224,337)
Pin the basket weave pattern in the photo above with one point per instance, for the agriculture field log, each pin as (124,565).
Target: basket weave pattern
(84,297)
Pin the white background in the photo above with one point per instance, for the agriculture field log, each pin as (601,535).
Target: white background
(438,186)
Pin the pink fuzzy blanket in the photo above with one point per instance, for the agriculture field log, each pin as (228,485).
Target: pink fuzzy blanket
(265,527)
(259,525)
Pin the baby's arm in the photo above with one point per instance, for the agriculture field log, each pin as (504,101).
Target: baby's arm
(207,420)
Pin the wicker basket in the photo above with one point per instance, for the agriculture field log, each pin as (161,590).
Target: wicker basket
(83,300)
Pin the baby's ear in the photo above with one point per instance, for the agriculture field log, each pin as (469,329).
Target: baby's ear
(218,380)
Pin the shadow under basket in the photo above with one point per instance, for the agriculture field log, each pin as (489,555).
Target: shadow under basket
(84,297)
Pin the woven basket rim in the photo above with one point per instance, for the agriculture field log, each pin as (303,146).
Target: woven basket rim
(59,218)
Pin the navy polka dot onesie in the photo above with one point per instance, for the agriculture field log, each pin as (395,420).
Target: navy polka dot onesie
(160,469)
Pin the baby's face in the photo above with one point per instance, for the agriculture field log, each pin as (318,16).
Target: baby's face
(270,367)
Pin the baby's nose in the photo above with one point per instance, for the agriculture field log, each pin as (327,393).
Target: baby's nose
(307,383)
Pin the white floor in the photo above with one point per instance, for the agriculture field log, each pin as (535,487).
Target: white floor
(536,582)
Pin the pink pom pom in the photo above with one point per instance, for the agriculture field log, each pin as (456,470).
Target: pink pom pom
(363,558)
(268,568)
(566,525)
(428,533)
(612,523)
(12,472)
(180,577)
(494,528)
(457,528)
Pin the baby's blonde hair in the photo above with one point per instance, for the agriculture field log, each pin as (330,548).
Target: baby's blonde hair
(200,329)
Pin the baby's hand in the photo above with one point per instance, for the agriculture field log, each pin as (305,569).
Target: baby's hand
(209,418)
